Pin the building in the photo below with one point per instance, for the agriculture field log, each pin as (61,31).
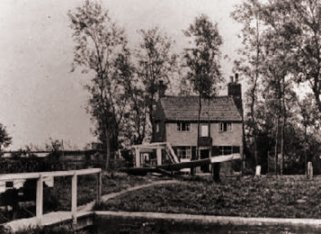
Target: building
(220,128)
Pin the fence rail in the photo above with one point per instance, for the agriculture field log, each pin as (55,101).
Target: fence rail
(40,176)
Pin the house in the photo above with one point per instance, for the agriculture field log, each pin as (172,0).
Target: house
(220,125)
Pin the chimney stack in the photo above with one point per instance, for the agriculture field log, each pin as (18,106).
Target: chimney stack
(235,91)
(161,89)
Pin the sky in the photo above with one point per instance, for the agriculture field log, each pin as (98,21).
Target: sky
(40,98)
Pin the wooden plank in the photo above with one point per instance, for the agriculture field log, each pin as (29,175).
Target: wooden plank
(154,145)
(39,200)
(74,199)
(35,175)
(169,146)
(225,158)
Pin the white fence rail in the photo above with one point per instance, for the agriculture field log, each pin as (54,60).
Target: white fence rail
(40,176)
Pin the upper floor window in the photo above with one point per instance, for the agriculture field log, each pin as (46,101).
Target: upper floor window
(204,130)
(183,126)
(225,127)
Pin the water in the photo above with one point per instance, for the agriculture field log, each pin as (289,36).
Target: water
(138,225)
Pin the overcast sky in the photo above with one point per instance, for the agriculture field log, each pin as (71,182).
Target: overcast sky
(40,97)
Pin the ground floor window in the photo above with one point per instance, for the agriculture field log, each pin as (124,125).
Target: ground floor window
(184,152)
(225,150)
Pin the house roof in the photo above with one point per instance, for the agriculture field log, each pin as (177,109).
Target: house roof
(185,108)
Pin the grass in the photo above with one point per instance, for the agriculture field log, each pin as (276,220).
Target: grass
(58,198)
(281,197)
(87,187)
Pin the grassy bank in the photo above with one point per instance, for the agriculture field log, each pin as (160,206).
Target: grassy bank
(286,197)
(87,187)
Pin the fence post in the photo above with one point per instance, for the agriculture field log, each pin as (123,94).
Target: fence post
(74,198)
(159,156)
(39,200)
(310,171)
(99,184)
(137,157)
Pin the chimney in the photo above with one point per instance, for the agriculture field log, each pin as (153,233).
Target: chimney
(235,91)
(161,89)
(231,79)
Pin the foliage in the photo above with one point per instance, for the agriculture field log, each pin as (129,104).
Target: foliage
(5,139)
(271,61)
(33,164)
(101,47)
(202,58)
(156,62)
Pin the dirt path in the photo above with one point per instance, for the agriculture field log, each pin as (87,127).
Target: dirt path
(104,198)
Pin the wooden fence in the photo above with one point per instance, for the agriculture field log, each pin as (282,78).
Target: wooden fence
(40,176)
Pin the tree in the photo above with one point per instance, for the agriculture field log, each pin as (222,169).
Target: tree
(202,59)
(306,14)
(134,129)
(156,62)
(250,63)
(5,139)
(270,55)
(99,43)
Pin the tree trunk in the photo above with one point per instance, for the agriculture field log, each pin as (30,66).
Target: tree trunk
(107,149)
(198,124)
(276,145)
(305,150)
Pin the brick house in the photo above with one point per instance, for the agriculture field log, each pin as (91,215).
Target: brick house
(221,124)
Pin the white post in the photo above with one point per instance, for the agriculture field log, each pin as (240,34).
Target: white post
(99,183)
(258,170)
(74,198)
(137,157)
(310,171)
(159,156)
(39,200)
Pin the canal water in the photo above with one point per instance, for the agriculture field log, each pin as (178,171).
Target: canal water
(138,225)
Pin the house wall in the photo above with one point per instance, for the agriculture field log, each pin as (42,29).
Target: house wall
(184,138)
(189,138)
(229,138)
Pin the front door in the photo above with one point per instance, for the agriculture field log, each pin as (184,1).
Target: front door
(204,153)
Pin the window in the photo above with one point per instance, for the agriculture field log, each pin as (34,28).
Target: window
(157,127)
(204,130)
(182,126)
(224,127)
(184,152)
(225,150)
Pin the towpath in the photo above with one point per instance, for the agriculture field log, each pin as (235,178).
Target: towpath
(89,206)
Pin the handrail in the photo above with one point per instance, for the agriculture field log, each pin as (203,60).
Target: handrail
(40,176)
(36,175)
